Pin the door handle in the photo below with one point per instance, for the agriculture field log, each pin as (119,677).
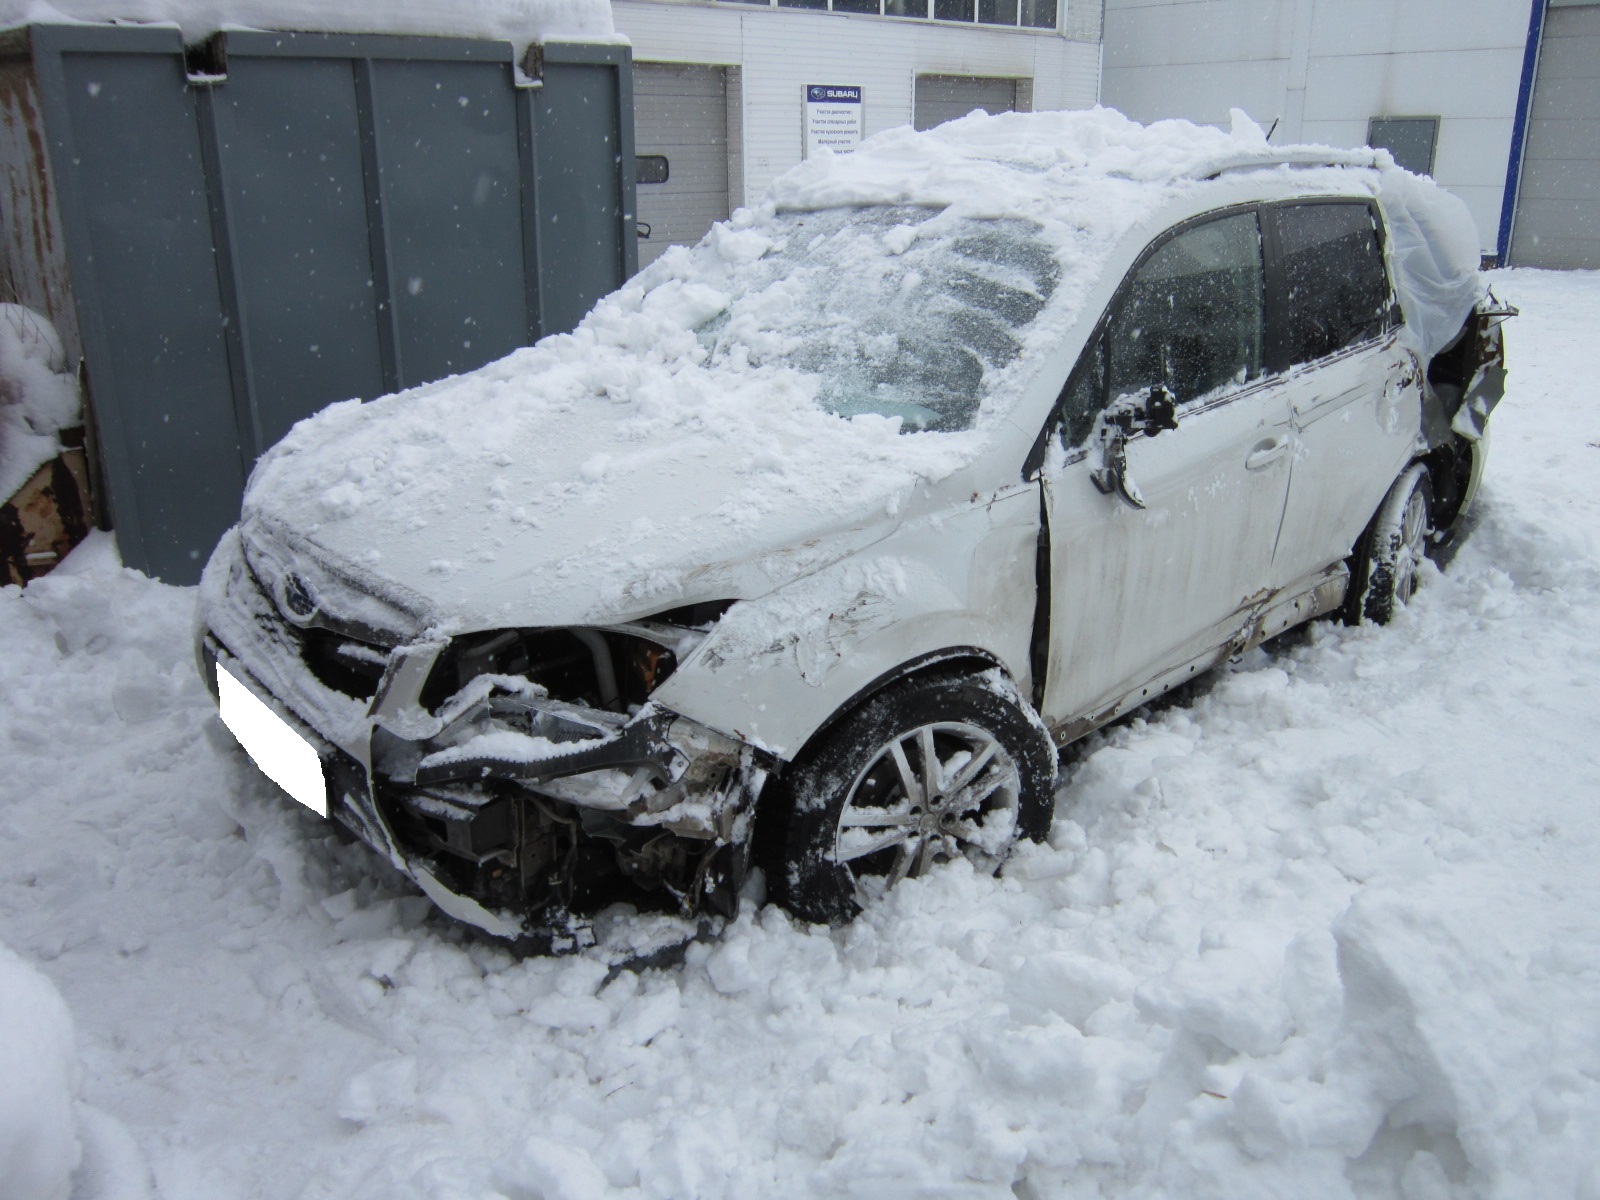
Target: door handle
(1266,453)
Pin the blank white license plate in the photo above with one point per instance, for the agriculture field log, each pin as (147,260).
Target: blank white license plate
(283,755)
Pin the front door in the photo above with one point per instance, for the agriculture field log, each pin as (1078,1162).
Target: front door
(1139,591)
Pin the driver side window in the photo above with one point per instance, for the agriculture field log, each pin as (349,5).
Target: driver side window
(1190,320)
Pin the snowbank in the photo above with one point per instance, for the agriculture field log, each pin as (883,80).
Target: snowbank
(38,1064)
(38,395)
(516,21)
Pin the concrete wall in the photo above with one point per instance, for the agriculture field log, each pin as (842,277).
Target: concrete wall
(779,51)
(1323,67)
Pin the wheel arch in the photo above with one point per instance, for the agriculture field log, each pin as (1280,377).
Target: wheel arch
(951,661)
(771,805)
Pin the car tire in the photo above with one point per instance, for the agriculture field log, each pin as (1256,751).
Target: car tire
(859,810)
(1390,557)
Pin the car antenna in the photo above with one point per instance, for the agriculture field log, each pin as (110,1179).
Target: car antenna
(1274,128)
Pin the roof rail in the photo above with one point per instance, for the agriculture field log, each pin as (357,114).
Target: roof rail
(1292,156)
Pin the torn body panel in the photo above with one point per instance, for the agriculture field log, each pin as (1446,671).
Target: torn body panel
(515,809)
(1465,381)
(774,670)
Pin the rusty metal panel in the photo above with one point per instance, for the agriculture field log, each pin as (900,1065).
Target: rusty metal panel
(47,517)
(33,255)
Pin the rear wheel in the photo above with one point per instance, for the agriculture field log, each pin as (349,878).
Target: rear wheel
(921,774)
(1388,565)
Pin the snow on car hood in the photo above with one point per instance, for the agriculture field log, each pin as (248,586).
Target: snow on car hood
(533,491)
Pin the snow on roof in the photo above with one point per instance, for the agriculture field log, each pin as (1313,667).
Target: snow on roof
(516,21)
(1094,175)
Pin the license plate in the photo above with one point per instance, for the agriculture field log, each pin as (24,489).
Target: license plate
(283,755)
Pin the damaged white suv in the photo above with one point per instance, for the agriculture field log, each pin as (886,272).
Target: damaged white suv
(812,545)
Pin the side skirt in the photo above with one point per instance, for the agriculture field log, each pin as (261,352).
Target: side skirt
(1315,596)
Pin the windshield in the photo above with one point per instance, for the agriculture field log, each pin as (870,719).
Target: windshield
(902,311)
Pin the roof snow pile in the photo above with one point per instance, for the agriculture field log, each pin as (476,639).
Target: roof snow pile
(1101,165)
(1433,250)
(696,391)
(568,454)
(516,21)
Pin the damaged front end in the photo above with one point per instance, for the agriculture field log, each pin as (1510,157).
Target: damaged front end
(523,777)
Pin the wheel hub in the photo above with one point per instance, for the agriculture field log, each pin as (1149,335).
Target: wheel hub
(934,792)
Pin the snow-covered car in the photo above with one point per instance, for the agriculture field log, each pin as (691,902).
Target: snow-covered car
(813,544)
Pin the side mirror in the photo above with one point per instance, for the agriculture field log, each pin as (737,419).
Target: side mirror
(1160,412)
(1149,414)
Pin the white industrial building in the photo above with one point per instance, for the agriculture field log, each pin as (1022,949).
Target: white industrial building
(721,89)
(1498,99)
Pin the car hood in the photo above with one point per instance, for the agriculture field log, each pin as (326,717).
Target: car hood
(518,495)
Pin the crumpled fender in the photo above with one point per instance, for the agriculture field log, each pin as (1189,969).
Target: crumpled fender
(775,669)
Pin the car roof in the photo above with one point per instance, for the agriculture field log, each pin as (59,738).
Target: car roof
(1100,186)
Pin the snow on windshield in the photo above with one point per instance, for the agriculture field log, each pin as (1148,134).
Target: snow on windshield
(899,311)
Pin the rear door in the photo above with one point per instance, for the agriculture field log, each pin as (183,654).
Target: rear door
(1136,592)
(1354,395)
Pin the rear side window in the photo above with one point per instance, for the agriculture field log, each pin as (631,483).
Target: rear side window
(1336,293)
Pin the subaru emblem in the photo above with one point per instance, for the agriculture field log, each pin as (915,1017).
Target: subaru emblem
(299,600)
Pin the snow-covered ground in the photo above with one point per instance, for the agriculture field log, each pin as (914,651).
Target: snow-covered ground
(1329,927)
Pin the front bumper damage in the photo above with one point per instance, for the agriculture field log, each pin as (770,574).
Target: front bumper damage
(515,811)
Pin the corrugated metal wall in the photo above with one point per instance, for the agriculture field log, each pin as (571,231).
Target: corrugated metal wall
(290,220)
(1558,202)
(941,98)
(681,115)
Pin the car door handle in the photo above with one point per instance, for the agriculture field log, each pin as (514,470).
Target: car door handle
(1266,453)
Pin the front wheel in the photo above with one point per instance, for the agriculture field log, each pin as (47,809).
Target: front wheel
(922,773)
(1390,557)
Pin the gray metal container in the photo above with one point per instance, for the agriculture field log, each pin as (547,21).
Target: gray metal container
(235,234)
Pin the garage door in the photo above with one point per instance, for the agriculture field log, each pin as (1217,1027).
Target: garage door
(680,118)
(942,98)
(1558,204)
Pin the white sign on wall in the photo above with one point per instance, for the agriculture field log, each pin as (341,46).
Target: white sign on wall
(833,118)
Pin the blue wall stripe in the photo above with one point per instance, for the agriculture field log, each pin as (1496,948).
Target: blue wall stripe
(1519,131)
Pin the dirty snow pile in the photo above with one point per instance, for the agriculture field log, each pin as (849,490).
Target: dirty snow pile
(1327,927)
(516,21)
(38,396)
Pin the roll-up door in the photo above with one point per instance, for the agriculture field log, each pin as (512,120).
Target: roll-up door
(942,98)
(680,116)
(1558,203)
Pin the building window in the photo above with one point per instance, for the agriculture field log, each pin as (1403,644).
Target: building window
(650,168)
(1026,14)
(1410,139)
